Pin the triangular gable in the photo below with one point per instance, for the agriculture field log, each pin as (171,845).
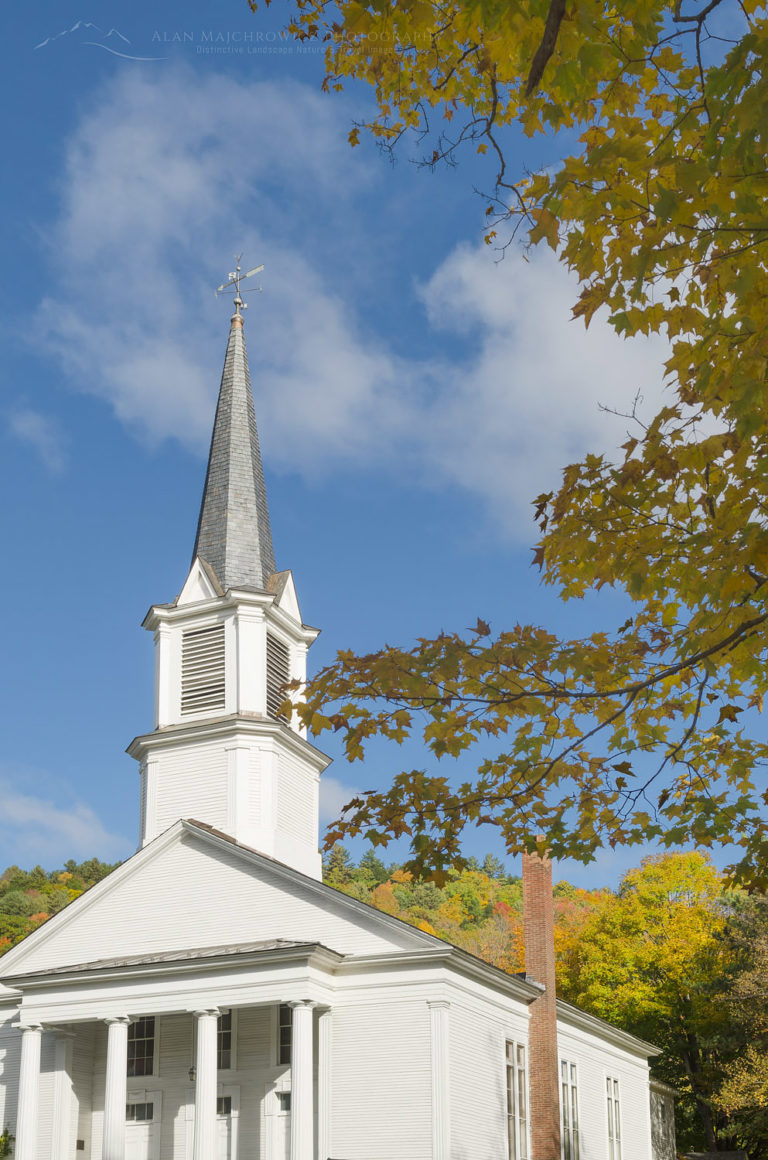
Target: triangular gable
(281,585)
(193,888)
(201,584)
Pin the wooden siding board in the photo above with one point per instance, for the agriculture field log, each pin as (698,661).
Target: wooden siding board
(478,1079)
(82,1082)
(192,782)
(10,1059)
(295,799)
(381,1081)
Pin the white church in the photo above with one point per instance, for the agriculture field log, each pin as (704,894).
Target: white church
(213,1000)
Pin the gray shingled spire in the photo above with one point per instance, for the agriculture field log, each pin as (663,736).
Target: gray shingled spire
(233,532)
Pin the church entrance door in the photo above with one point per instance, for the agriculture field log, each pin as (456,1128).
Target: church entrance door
(227,1109)
(277,1109)
(142,1126)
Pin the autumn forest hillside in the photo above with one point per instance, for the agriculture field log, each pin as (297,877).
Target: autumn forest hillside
(673,955)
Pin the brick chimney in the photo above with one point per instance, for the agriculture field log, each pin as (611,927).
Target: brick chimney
(543,1063)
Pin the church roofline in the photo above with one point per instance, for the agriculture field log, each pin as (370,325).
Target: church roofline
(209,728)
(167,613)
(594,1025)
(181,962)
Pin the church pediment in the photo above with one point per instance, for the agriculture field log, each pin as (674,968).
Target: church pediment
(194,888)
(281,585)
(201,584)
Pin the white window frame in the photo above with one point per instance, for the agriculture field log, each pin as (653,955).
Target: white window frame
(142,1096)
(276,1035)
(518,1118)
(570,1111)
(233,1051)
(613,1103)
(154,1074)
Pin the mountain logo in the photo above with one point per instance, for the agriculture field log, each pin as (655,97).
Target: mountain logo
(88,28)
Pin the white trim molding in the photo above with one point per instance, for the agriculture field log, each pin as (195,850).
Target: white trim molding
(439,1024)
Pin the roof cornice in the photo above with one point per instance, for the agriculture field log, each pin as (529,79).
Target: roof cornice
(213,728)
(594,1025)
(233,599)
(187,963)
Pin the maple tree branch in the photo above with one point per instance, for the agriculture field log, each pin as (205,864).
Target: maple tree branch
(547,47)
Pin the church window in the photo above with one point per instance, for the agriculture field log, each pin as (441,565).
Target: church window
(224,1041)
(224,1105)
(285,1025)
(517,1102)
(569,1110)
(614,1118)
(202,669)
(141,1047)
(139,1113)
(283,1102)
(278,673)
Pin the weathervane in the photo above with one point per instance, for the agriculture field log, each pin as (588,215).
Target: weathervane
(236,276)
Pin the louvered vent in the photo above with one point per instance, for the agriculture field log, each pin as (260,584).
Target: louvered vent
(278,673)
(202,670)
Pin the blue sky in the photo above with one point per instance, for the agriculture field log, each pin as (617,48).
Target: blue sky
(413,393)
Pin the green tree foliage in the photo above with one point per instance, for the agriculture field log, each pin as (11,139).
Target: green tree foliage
(7,1140)
(673,956)
(743,1095)
(29,897)
(658,958)
(639,731)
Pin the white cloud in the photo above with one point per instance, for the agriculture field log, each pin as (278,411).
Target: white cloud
(38,828)
(334,795)
(528,400)
(173,172)
(42,434)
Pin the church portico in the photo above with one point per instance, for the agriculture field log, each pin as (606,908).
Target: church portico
(210,1084)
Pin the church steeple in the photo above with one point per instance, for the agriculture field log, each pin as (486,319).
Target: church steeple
(233,532)
(221,751)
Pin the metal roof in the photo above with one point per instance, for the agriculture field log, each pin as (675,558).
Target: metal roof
(233,532)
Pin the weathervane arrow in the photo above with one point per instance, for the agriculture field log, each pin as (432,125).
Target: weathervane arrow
(232,286)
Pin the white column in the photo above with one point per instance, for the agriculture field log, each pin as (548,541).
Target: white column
(205,1085)
(302,1110)
(113,1147)
(439,1011)
(29,1092)
(324,1027)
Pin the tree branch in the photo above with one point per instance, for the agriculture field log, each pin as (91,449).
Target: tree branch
(547,46)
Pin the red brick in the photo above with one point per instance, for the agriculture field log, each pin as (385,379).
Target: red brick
(543,1064)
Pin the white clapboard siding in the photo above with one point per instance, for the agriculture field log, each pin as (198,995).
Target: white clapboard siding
(381,1081)
(191,783)
(255,1065)
(175,1054)
(47,1082)
(594,1061)
(255,802)
(478,1079)
(193,894)
(10,1058)
(296,814)
(83,1046)
(98,1075)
